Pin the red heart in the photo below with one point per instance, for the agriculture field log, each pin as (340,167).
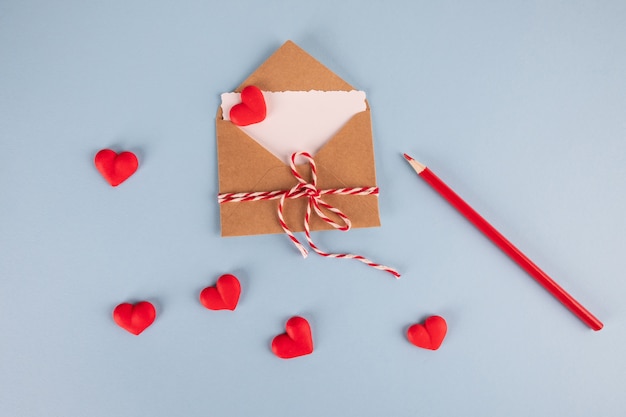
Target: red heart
(134,318)
(116,168)
(296,341)
(251,109)
(430,334)
(224,296)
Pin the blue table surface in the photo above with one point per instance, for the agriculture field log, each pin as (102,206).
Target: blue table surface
(519,106)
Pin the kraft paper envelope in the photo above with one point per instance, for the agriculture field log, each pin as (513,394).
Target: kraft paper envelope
(244,166)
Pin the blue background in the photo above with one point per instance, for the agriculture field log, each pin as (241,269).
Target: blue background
(520,106)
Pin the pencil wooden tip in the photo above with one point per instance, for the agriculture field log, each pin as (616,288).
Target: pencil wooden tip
(416,165)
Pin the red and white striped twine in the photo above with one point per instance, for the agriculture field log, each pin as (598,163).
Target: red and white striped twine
(315,203)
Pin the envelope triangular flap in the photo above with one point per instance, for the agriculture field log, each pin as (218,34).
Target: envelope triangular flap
(291,68)
(346,160)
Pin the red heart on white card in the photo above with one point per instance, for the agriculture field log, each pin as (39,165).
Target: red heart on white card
(252,108)
(224,295)
(114,167)
(134,318)
(296,341)
(429,335)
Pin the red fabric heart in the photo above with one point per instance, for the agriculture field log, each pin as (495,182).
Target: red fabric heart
(296,341)
(430,335)
(224,296)
(251,109)
(116,168)
(134,318)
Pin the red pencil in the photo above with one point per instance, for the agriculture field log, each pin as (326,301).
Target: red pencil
(507,247)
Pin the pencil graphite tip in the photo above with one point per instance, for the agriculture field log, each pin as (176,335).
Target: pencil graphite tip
(408,158)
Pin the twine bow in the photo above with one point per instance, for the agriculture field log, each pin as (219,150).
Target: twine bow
(315,203)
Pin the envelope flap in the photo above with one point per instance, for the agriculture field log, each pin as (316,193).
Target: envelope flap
(291,68)
(347,160)
(243,162)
